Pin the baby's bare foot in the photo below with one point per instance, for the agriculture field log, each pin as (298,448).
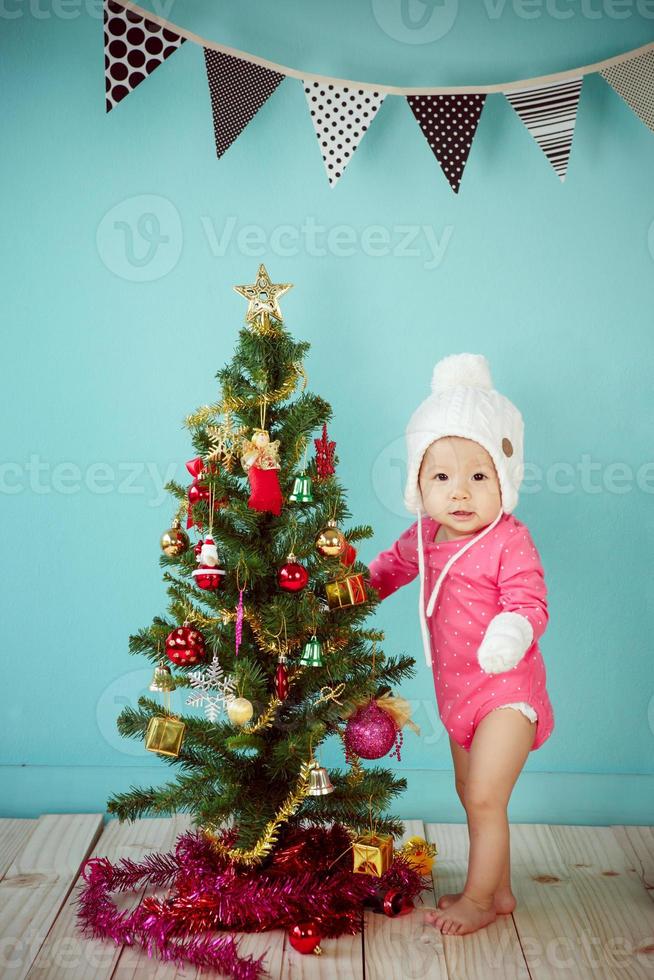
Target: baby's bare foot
(503,903)
(462,917)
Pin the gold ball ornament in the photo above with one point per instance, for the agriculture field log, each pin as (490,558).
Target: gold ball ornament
(239,711)
(174,541)
(331,542)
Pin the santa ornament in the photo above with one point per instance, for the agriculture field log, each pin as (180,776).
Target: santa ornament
(208,575)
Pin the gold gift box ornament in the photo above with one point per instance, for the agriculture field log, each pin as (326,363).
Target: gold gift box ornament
(372,854)
(346,591)
(165,735)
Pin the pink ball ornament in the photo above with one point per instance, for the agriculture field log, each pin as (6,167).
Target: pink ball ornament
(370,732)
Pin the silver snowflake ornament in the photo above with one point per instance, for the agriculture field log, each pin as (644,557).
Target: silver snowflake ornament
(213,689)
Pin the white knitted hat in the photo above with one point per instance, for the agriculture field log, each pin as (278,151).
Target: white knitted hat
(464,403)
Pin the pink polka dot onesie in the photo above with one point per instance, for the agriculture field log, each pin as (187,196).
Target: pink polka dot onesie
(496,571)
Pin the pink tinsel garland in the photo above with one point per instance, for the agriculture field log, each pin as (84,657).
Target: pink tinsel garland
(307,877)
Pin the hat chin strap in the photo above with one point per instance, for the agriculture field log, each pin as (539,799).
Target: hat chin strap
(421,566)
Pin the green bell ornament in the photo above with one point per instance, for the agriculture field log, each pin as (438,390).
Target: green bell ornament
(312,653)
(302,490)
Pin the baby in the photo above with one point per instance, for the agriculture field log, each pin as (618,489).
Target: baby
(486,609)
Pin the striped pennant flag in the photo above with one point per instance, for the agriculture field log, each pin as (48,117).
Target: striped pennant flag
(549,112)
(449,124)
(633,80)
(340,117)
(133,47)
(237,89)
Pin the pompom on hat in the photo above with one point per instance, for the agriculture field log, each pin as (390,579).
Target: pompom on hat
(464,403)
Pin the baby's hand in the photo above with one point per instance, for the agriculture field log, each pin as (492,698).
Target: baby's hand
(507,639)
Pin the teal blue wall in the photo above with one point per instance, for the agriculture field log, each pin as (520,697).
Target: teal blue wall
(106,350)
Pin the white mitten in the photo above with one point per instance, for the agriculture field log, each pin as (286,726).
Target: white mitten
(507,639)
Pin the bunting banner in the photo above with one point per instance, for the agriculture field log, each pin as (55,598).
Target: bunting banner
(342,111)
(133,47)
(449,123)
(340,117)
(549,112)
(238,89)
(633,80)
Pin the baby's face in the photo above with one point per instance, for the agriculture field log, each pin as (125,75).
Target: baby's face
(459,475)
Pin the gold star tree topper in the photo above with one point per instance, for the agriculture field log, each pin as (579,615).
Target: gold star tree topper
(263,298)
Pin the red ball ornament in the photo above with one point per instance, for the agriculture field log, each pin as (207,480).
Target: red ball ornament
(370,732)
(197,492)
(305,937)
(292,576)
(185,646)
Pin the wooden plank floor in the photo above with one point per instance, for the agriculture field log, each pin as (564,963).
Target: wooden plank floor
(585,909)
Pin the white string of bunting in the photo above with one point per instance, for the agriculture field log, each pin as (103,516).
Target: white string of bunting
(137,42)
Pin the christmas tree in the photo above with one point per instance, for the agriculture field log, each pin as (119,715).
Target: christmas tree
(265,628)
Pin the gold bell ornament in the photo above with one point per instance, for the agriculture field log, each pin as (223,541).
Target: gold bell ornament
(302,492)
(165,733)
(319,782)
(330,542)
(162,680)
(174,541)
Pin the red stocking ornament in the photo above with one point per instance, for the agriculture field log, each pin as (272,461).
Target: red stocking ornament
(260,460)
(265,491)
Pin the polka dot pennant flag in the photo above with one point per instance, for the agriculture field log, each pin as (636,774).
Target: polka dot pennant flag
(341,116)
(633,80)
(133,48)
(549,112)
(238,89)
(449,123)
